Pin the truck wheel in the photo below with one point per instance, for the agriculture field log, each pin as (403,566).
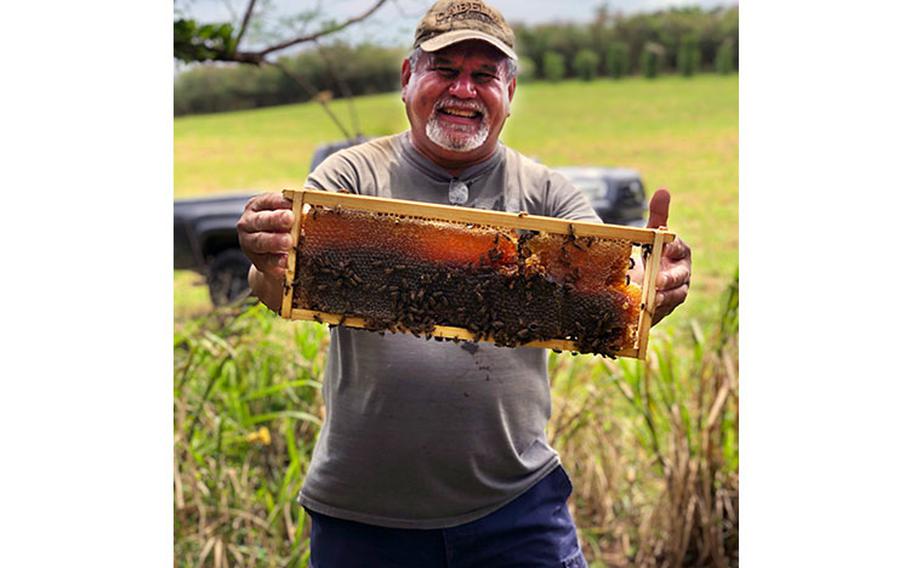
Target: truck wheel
(227,276)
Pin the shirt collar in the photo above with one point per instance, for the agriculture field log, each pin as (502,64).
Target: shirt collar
(438,173)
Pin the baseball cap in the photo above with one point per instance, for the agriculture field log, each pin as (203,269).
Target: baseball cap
(451,21)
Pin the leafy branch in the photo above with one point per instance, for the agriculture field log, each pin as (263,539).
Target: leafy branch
(195,42)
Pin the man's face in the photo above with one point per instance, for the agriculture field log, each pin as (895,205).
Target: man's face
(457,101)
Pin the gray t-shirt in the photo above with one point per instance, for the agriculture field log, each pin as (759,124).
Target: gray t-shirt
(426,434)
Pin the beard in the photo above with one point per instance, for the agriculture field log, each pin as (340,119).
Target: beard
(457,137)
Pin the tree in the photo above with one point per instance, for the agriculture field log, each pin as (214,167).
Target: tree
(689,57)
(617,59)
(343,69)
(527,69)
(723,61)
(195,42)
(585,64)
(651,57)
(554,66)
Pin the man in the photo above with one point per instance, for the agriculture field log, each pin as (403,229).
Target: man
(435,454)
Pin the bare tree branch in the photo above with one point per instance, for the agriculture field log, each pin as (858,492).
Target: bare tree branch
(198,43)
(342,86)
(259,57)
(246,20)
(312,92)
(311,37)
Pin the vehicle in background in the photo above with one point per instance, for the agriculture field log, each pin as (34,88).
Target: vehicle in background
(205,241)
(616,194)
(205,229)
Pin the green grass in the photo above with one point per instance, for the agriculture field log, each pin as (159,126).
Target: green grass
(678,133)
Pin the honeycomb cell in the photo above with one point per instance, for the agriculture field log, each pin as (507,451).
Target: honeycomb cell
(590,264)
(409,274)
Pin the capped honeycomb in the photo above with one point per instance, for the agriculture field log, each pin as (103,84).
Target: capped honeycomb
(512,287)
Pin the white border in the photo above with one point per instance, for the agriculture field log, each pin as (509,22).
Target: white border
(88,190)
(823,122)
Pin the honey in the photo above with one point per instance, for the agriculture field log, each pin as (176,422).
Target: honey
(512,287)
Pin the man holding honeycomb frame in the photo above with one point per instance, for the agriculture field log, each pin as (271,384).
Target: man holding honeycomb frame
(432,453)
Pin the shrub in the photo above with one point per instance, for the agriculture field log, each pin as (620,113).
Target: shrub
(527,69)
(723,61)
(585,64)
(650,60)
(554,66)
(617,59)
(362,69)
(688,60)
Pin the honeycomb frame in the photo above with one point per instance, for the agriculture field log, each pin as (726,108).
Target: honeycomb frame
(651,242)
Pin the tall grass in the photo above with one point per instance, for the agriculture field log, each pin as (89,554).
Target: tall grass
(247,412)
(651,446)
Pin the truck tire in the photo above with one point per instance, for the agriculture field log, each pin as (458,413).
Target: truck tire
(227,277)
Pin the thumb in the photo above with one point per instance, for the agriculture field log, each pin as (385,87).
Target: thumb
(659,209)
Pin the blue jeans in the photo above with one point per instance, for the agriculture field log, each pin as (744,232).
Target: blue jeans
(534,530)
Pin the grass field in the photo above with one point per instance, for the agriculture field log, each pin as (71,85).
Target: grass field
(678,133)
(652,447)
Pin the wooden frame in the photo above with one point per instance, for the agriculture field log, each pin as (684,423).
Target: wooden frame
(652,239)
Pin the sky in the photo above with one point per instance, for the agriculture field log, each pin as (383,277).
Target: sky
(394,23)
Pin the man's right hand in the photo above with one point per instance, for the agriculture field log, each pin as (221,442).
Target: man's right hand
(264,231)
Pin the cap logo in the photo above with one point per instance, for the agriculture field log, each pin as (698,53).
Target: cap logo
(454,20)
(465,11)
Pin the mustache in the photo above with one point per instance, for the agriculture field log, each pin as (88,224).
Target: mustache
(450,101)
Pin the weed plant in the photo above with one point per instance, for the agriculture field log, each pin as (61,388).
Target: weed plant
(246,415)
(653,447)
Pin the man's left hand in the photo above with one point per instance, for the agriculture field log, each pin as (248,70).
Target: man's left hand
(675,261)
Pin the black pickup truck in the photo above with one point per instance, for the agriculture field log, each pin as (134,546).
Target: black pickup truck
(205,233)
(205,241)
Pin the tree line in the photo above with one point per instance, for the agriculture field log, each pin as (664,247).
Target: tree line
(332,71)
(680,40)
